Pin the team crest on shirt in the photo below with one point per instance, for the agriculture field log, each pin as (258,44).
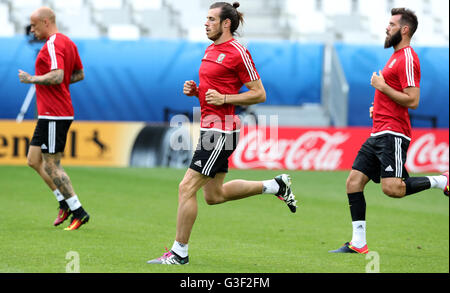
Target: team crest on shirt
(392,63)
(220,58)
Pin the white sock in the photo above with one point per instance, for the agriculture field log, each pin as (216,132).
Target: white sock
(359,234)
(270,186)
(438,181)
(73,203)
(180,249)
(58,195)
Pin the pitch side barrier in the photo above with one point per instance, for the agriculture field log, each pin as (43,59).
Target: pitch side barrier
(137,80)
(136,144)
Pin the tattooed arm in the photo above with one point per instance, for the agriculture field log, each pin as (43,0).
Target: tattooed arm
(51,78)
(77,76)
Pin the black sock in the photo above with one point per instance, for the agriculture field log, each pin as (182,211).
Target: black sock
(416,184)
(78,212)
(357,204)
(63,205)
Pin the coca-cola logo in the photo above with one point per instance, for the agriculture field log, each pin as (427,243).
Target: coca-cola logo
(425,155)
(312,150)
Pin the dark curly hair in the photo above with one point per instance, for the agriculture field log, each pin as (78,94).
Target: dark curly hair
(408,18)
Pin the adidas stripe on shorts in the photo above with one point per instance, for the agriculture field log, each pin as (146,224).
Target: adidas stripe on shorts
(51,135)
(383,156)
(213,150)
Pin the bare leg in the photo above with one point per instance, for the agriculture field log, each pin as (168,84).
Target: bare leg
(35,161)
(216,192)
(187,203)
(52,166)
(356,182)
(393,187)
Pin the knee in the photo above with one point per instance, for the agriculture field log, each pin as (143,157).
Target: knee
(33,163)
(211,199)
(185,191)
(214,195)
(393,191)
(353,185)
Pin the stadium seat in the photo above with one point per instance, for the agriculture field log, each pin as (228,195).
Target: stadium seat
(333,7)
(138,5)
(4,13)
(73,18)
(192,14)
(21,12)
(156,22)
(6,28)
(63,5)
(123,32)
(106,4)
(305,20)
(108,12)
(418,6)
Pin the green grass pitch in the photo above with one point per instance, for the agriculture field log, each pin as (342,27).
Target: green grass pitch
(133,216)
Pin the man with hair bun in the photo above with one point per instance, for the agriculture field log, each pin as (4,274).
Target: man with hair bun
(225,68)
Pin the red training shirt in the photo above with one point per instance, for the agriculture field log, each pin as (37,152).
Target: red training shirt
(53,101)
(225,68)
(401,71)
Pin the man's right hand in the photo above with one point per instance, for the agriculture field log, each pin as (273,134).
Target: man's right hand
(25,77)
(190,88)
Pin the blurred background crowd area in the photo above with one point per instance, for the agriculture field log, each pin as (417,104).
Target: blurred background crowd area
(315,57)
(350,21)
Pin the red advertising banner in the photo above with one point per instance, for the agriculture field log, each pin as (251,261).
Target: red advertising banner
(293,148)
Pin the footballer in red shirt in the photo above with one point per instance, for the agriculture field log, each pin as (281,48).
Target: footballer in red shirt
(57,66)
(226,66)
(382,157)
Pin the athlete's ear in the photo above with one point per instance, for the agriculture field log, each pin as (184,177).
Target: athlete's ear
(45,21)
(405,30)
(227,23)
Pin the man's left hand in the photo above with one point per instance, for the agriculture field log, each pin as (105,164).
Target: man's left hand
(215,98)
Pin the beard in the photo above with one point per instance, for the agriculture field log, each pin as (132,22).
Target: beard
(393,40)
(216,36)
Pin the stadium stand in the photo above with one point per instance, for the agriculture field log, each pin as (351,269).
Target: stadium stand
(75,18)
(6,27)
(156,19)
(350,21)
(276,32)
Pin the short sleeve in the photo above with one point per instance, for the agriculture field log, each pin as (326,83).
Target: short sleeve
(78,65)
(245,66)
(55,49)
(409,69)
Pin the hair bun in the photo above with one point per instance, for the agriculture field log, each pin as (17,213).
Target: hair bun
(236,5)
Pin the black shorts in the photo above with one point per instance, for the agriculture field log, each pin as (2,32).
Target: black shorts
(51,135)
(383,156)
(213,150)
